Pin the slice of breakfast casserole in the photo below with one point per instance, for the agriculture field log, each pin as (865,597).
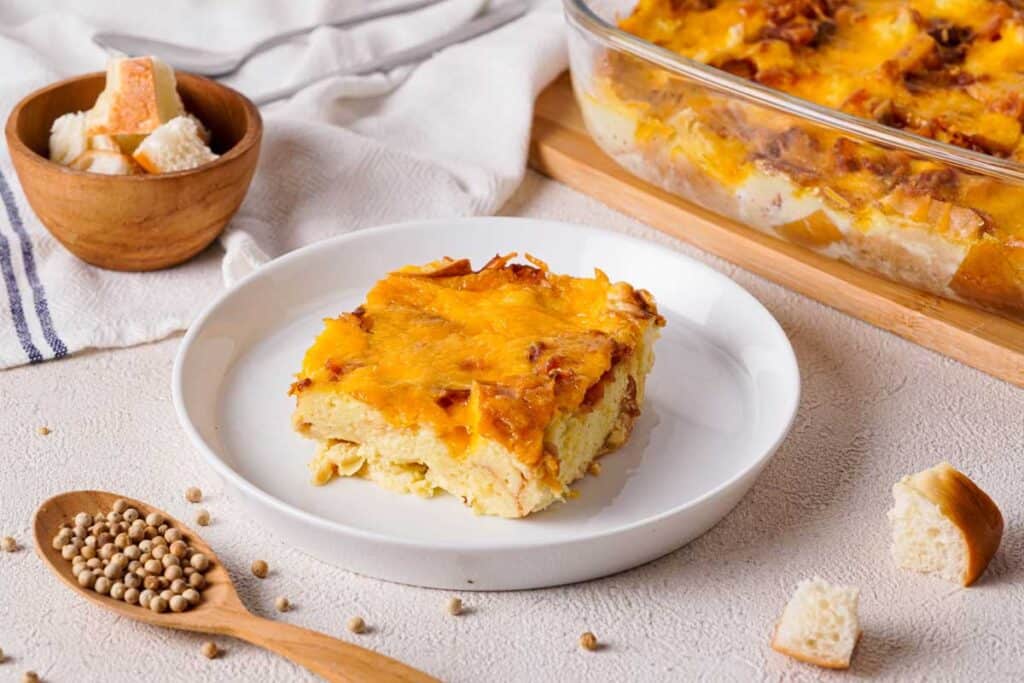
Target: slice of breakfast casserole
(500,386)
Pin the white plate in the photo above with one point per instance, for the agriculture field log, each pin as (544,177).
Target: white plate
(720,399)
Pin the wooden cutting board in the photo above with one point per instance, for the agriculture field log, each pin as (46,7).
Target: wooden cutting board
(562,150)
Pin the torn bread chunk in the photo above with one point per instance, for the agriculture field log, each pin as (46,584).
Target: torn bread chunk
(107,163)
(499,386)
(943,524)
(174,146)
(819,624)
(68,139)
(140,95)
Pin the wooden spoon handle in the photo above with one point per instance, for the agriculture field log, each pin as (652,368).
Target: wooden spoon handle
(333,659)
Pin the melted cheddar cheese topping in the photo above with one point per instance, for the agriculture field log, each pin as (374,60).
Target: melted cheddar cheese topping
(952,70)
(489,354)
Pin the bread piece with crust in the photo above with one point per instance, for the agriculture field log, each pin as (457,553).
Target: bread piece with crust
(140,95)
(819,624)
(175,146)
(943,524)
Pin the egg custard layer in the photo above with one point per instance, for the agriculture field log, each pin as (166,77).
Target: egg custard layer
(499,386)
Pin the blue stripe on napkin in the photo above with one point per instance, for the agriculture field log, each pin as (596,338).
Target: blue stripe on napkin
(14,299)
(38,293)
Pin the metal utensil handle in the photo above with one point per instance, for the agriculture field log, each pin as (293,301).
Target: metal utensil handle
(346,22)
(488,22)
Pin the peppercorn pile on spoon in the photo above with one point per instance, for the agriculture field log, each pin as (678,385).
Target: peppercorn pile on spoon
(220,611)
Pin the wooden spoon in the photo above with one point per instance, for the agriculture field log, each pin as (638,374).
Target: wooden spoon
(221,611)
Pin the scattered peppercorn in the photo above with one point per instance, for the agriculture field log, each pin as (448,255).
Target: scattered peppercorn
(193,494)
(210,650)
(356,625)
(43,431)
(282,604)
(588,641)
(455,606)
(260,569)
(203,518)
(8,544)
(30,677)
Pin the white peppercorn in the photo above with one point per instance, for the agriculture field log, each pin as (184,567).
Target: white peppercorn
(158,604)
(173,572)
(83,519)
(132,581)
(201,563)
(203,518)
(86,579)
(158,552)
(209,650)
(166,594)
(193,494)
(179,586)
(356,625)
(192,595)
(197,581)
(117,590)
(259,569)
(178,604)
(172,535)
(8,544)
(30,677)
(179,548)
(455,606)
(153,566)
(131,596)
(68,551)
(170,560)
(145,597)
(130,515)
(102,585)
(154,519)
(120,505)
(282,604)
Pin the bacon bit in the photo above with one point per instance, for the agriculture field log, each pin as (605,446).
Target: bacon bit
(337,370)
(498,261)
(536,349)
(451,397)
(365,321)
(801,23)
(299,386)
(524,273)
(446,267)
(744,68)
(595,392)
(536,261)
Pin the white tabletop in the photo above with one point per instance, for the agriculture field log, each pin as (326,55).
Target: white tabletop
(874,407)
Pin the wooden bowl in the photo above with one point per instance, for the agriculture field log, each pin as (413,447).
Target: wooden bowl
(136,222)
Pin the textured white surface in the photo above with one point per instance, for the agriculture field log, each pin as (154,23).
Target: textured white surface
(874,407)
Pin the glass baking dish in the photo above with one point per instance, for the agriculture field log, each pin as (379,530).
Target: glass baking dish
(937,217)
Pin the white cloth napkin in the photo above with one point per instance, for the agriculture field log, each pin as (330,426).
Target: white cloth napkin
(448,137)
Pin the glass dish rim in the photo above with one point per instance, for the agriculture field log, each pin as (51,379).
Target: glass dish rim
(580,15)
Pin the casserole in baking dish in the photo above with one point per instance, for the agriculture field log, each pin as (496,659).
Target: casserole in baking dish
(883,133)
